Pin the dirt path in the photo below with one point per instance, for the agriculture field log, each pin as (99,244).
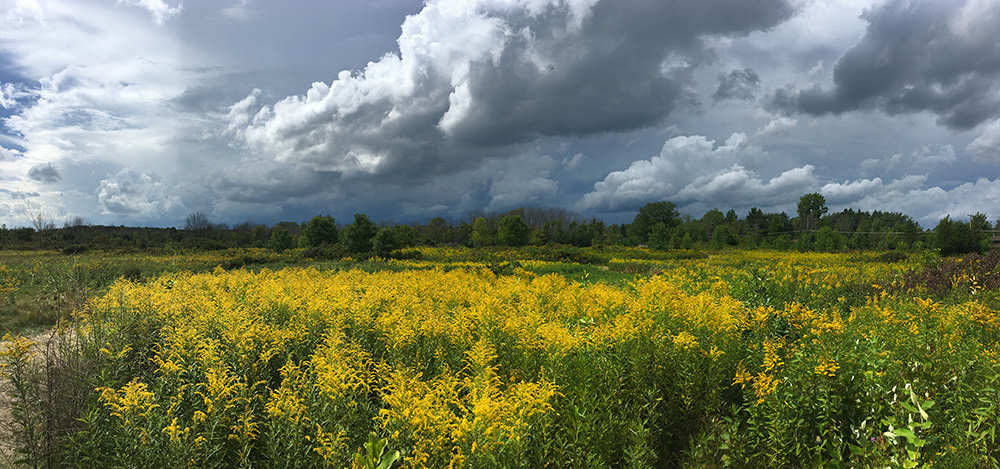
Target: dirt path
(8,446)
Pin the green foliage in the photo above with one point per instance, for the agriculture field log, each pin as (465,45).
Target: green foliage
(358,236)
(385,242)
(202,244)
(660,237)
(280,239)
(374,456)
(649,215)
(811,208)
(322,229)
(513,231)
(956,237)
(482,234)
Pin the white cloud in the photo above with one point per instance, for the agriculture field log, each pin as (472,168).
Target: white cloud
(986,147)
(7,154)
(573,161)
(160,10)
(136,194)
(238,12)
(778,126)
(925,158)
(686,168)
(930,204)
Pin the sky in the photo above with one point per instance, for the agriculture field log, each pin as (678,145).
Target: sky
(141,112)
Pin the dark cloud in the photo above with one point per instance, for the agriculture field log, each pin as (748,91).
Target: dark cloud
(44,173)
(939,56)
(738,84)
(473,80)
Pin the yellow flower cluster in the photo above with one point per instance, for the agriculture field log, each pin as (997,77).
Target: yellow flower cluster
(311,350)
(460,367)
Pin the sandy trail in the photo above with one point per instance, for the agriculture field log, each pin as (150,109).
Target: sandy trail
(40,342)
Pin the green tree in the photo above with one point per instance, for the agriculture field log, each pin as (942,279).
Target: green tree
(513,231)
(406,236)
(955,237)
(322,229)
(828,240)
(280,239)
(659,238)
(724,237)
(357,237)
(980,227)
(649,215)
(385,242)
(482,234)
(811,208)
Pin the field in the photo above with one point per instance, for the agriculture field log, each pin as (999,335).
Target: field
(503,358)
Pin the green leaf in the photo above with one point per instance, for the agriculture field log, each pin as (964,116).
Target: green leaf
(904,432)
(388,459)
(928,404)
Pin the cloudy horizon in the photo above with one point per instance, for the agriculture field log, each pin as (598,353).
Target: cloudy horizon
(140,112)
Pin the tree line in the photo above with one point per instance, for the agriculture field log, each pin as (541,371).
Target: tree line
(657,225)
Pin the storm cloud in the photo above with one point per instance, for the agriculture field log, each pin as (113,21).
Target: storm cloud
(938,56)
(44,173)
(143,111)
(743,84)
(474,76)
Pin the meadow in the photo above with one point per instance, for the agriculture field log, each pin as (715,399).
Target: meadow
(455,357)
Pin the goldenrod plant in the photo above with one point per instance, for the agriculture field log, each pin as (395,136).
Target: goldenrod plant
(455,359)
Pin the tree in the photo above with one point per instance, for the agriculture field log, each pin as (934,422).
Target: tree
(649,215)
(385,242)
(406,236)
(197,224)
(811,208)
(513,231)
(659,237)
(955,237)
(280,239)
(980,227)
(723,236)
(482,235)
(711,220)
(322,229)
(357,237)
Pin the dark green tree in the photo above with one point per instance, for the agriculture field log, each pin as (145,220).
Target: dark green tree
(385,242)
(811,208)
(280,239)
(724,237)
(406,236)
(955,237)
(980,227)
(322,229)
(649,215)
(357,237)
(513,231)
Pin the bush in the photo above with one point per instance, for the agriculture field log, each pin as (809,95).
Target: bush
(327,252)
(201,244)
(75,249)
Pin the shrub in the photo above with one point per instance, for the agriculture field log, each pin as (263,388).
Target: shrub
(201,244)
(75,249)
